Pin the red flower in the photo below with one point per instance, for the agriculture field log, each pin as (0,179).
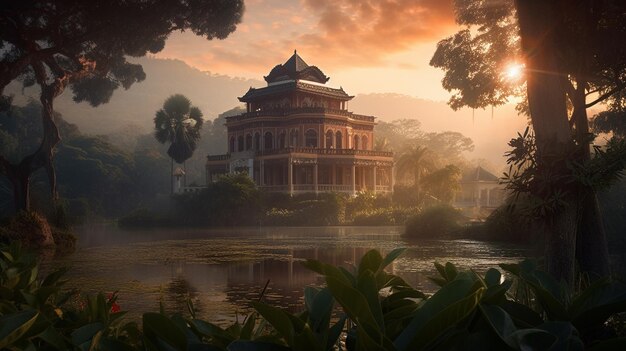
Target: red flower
(111,298)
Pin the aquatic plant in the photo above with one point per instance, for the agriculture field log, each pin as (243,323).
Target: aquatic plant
(373,309)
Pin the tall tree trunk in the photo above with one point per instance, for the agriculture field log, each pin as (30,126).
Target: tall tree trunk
(19,174)
(592,254)
(171,176)
(546,91)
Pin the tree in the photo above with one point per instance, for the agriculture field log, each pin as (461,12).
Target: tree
(443,184)
(84,45)
(414,161)
(570,55)
(178,123)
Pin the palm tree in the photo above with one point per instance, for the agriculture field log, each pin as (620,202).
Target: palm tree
(415,160)
(178,123)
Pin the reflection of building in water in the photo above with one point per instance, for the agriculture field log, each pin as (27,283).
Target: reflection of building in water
(287,276)
(481,193)
(297,135)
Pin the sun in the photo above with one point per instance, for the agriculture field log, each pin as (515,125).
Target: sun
(514,71)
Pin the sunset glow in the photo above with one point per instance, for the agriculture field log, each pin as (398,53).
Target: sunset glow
(514,71)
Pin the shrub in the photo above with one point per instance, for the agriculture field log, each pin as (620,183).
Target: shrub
(32,230)
(433,222)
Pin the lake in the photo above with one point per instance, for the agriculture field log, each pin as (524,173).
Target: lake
(222,269)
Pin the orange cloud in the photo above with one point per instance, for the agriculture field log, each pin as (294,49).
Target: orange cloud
(366,32)
(331,34)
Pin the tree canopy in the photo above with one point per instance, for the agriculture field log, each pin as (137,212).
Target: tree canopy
(571,62)
(178,123)
(84,45)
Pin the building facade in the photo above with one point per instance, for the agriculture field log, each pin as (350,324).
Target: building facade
(298,136)
(481,193)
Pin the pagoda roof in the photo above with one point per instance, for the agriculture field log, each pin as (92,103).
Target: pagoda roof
(479,174)
(294,69)
(294,85)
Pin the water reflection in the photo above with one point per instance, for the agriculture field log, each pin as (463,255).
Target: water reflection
(222,270)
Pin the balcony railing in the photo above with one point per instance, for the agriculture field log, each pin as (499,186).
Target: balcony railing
(218,157)
(306,150)
(320,151)
(300,110)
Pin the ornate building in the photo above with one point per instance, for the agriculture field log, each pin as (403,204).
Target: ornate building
(298,136)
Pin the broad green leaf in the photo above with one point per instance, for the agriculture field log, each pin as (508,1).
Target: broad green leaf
(52,337)
(241,345)
(392,256)
(248,327)
(278,319)
(321,310)
(158,327)
(531,339)
(566,334)
(334,332)
(53,278)
(354,304)
(14,326)
(212,331)
(608,345)
(446,319)
(442,270)
(370,261)
(451,271)
(492,277)
(366,284)
(455,291)
(522,315)
(84,335)
(597,303)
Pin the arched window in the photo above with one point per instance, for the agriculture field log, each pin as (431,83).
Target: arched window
(267,141)
(329,139)
(338,140)
(232,144)
(293,138)
(364,142)
(257,141)
(356,142)
(310,138)
(240,143)
(248,141)
(282,140)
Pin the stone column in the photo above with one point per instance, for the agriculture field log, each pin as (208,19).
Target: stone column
(315,169)
(290,175)
(374,179)
(353,179)
(393,177)
(262,173)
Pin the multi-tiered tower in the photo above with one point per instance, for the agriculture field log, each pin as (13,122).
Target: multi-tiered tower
(298,136)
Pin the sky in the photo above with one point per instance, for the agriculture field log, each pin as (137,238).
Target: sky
(365,46)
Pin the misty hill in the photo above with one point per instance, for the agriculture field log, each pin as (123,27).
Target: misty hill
(490,131)
(130,112)
(136,107)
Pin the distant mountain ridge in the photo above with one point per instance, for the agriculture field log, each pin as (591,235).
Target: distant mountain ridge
(134,109)
(212,93)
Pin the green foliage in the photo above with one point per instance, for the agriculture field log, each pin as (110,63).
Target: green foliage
(467,311)
(442,184)
(32,230)
(545,190)
(232,200)
(303,209)
(384,216)
(178,123)
(433,222)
